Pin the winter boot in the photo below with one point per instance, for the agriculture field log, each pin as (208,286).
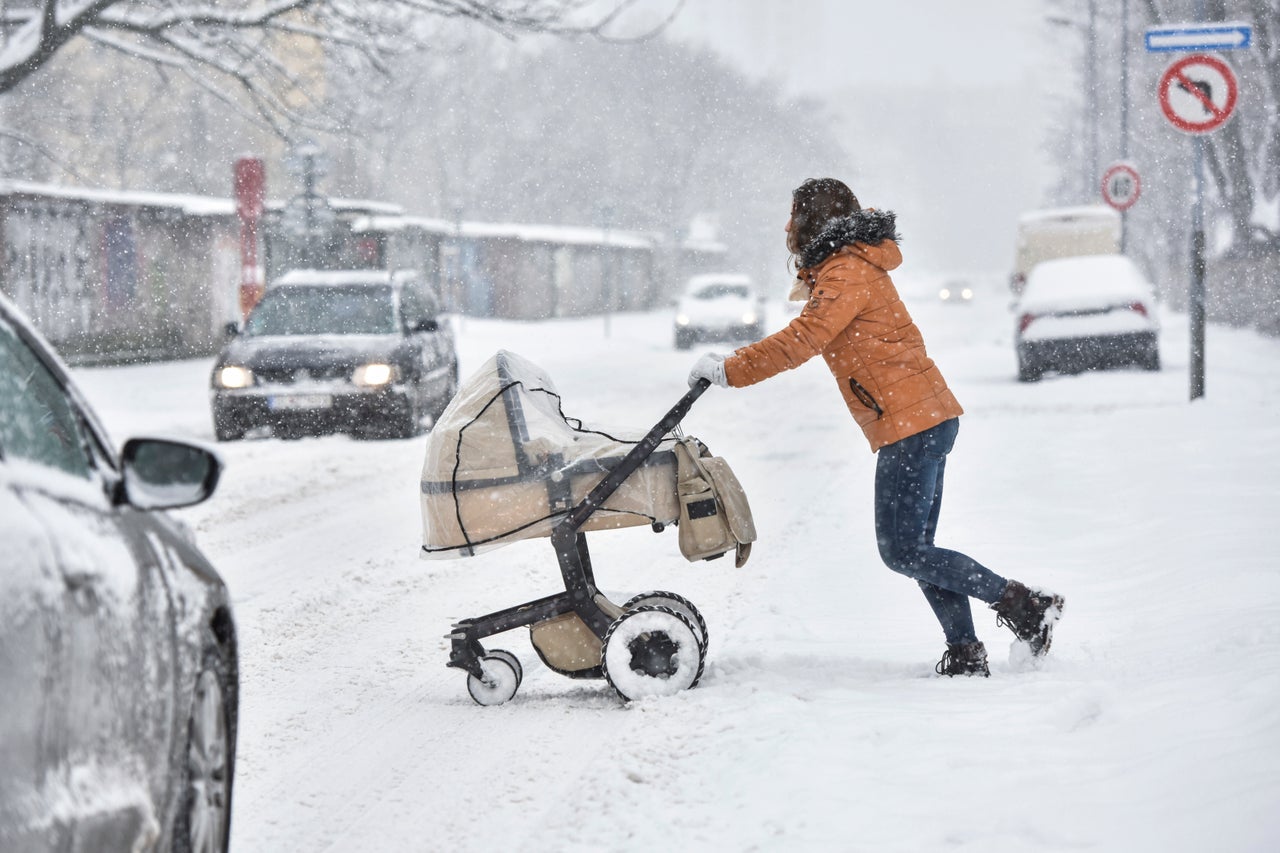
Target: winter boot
(1030,614)
(964,659)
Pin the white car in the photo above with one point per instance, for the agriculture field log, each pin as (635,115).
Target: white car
(718,307)
(1086,313)
(956,292)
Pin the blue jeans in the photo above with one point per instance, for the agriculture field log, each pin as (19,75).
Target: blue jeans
(908,498)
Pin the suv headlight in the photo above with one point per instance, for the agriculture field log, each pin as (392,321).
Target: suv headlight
(749,318)
(374,375)
(234,376)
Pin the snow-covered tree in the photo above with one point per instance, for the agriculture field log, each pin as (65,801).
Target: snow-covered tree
(268,52)
(642,137)
(1242,157)
(1241,194)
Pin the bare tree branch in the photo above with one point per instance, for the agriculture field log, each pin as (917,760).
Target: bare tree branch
(258,47)
(44,151)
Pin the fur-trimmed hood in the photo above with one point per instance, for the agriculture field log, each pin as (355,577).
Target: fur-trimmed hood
(869,226)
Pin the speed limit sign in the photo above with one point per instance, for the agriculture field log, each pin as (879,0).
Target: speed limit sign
(1121,186)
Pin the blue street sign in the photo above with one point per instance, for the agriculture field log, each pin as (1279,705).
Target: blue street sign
(1196,37)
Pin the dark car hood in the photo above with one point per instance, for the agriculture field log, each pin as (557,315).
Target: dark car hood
(277,351)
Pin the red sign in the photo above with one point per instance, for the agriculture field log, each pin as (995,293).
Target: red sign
(250,187)
(1121,186)
(1198,93)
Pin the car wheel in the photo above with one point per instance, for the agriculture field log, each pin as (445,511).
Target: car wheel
(226,431)
(1151,360)
(407,426)
(1028,371)
(203,822)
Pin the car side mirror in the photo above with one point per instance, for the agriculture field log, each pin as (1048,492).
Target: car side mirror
(161,473)
(428,325)
(230,330)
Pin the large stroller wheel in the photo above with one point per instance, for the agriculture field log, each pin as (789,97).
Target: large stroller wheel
(651,651)
(679,604)
(502,676)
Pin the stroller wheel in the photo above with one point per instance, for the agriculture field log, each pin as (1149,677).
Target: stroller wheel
(651,651)
(511,659)
(679,604)
(502,674)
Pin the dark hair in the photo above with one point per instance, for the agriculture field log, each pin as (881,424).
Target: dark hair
(813,205)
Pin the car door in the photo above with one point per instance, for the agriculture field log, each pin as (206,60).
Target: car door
(426,341)
(106,743)
(32,633)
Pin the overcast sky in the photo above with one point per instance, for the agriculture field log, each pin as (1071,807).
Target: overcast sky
(940,103)
(824,46)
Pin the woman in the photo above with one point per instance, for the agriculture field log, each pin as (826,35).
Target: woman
(855,319)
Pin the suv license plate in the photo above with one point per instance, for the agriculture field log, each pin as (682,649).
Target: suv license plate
(300,401)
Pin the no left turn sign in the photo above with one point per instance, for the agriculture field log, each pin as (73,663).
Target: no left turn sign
(1198,93)
(1121,186)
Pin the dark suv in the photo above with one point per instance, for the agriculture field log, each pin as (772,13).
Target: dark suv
(357,351)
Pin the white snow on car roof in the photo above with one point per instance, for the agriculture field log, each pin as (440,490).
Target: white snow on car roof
(338,277)
(1070,215)
(1088,281)
(718,278)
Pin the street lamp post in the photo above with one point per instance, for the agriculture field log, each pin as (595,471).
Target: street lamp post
(606,272)
(308,218)
(1089,28)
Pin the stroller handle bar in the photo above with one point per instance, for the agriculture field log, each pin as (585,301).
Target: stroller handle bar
(643,449)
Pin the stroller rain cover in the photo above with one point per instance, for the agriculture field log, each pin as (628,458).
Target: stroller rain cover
(504,463)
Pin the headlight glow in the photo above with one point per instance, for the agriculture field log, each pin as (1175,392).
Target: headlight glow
(749,318)
(373,375)
(234,376)
(682,319)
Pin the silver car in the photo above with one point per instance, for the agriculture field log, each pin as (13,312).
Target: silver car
(1086,313)
(118,666)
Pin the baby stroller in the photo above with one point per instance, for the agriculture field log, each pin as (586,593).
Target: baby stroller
(504,463)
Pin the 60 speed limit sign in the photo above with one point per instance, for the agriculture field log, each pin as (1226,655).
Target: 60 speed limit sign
(1121,186)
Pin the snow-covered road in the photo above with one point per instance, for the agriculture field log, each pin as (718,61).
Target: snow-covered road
(819,724)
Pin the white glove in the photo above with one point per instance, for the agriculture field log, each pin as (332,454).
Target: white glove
(711,368)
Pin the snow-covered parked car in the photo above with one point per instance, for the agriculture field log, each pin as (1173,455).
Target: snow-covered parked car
(1086,313)
(718,307)
(118,661)
(357,351)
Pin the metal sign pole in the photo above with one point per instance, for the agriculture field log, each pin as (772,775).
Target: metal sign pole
(1124,112)
(1195,309)
(1198,94)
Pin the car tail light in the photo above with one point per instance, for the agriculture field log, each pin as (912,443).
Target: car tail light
(1139,307)
(1024,321)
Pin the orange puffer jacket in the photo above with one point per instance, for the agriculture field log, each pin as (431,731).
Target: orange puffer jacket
(856,320)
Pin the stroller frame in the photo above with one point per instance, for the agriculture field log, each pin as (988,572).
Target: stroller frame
(570,545)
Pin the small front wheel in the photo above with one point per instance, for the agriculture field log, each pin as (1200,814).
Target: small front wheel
(502,676)
(651,651)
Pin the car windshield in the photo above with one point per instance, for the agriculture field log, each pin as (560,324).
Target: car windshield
(719,291)
(324,310)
